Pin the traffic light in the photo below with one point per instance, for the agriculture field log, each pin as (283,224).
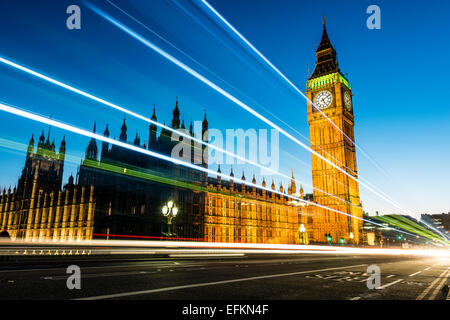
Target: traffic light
(342,240)
(399,237)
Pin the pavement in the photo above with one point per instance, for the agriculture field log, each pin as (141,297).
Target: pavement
(305,276)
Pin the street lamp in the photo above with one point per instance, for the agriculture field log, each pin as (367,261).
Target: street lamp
(170,211)
(302,230)
(351,236)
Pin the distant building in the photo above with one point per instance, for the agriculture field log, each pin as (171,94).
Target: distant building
(439,221)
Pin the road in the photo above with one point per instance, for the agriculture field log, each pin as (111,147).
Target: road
(250,276)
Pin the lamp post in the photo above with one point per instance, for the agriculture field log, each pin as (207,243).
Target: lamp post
(351,236)
(170,211)
(302,230)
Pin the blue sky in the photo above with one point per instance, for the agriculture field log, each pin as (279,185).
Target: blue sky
(398,76)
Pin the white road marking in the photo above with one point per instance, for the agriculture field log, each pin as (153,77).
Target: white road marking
(390,276)
(355,298)
(438,287)
(415,273)
(389,284)
(427,269)
(425,292)
(204,284)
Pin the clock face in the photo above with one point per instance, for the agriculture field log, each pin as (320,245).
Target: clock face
(323,99)
(348,101)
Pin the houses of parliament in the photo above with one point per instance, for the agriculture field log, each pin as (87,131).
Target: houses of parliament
(120,192)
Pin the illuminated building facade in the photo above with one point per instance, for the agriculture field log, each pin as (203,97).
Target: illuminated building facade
(120,192)
(333,138)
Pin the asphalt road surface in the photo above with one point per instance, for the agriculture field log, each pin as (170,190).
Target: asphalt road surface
(254,276)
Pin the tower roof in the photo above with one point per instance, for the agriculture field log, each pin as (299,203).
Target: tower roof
(154,114)
(106,132)
(123,131)
(326,58)
(325,42)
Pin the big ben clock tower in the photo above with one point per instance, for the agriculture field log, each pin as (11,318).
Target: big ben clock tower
(333,138)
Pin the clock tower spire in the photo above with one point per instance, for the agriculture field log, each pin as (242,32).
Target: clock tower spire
(331,124)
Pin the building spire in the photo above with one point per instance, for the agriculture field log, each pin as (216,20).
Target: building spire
(91,150)
(31,145)
(154,113)
(106,132)
(176,116)
(326,58)
(123,131)
(62,146)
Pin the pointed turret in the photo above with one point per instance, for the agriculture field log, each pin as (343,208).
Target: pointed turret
(106,132)
(105,145)
(123,131)
(176,116)
(263,182)
(326,58)
(91,150)
(273,185)
(62,148)
(137,140)
(204,128)
(154,114)
(219,177)
(31,145)
(231,180)
(41,142)
(293,187)
(152,130)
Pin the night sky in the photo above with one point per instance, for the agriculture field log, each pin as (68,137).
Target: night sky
(398,76)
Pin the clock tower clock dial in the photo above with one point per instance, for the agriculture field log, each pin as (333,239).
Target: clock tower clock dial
(347,101)
(332,136)
(323,99)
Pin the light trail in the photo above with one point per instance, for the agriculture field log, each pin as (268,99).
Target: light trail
(235,31)
(31,116)
(148,120)
(207,248)
(230,97)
